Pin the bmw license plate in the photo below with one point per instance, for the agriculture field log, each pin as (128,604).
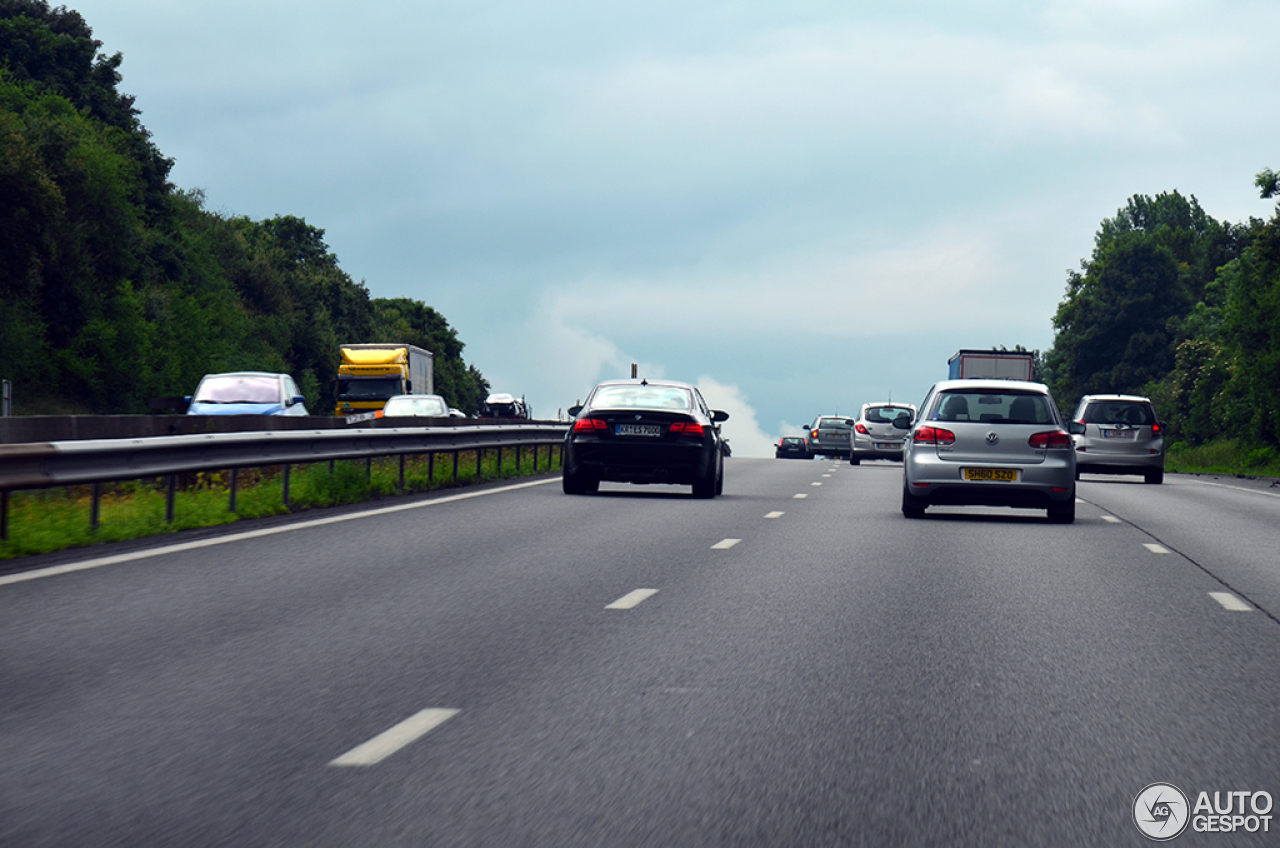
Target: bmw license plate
(1000,475)
(638,430)
(1119,434)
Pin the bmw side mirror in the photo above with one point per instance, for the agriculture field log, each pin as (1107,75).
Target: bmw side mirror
(574,410)
(719,415)
(297,399)
(1075,428)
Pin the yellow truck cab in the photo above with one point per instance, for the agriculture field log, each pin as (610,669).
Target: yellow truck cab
(368,374)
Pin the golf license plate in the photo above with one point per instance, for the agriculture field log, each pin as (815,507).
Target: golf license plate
(639,430)
(1000,475)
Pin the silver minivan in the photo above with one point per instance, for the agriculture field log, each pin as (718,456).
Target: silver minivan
(989,443)
(1121,436)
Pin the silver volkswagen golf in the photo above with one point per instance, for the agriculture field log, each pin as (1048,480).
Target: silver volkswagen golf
(989,443)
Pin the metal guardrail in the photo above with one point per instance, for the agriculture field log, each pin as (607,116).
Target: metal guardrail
(95,461)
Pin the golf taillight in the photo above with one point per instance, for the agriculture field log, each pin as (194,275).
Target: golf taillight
(588,425)
(687,428)
(1050,440)
(933,436)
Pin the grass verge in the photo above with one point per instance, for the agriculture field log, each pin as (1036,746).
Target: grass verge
(1223,457)
(58,519)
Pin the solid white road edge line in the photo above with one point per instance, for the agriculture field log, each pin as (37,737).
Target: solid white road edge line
(633,599)
(725,544)
(100,562)
(388,742)
(1230,602)
(1156,549)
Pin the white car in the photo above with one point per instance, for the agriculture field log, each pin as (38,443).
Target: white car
(874,436)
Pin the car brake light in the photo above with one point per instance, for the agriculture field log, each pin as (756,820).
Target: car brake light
(1050,440)
(1155,429)
(933,436)
(586,425)
(862,430)
(687,428)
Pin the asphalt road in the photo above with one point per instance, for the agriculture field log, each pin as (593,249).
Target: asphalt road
(791,664)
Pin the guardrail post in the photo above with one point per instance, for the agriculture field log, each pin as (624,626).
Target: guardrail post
(4,515)
(368,467)
(479,470)
(402,472)
(499,474)
(431,468)
(287,469)
(519,451)
(171,488)
(95,500)
(234,472)
(455,466)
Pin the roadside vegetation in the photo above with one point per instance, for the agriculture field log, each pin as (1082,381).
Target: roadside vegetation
(50,520)
(1225,456)
(119,288)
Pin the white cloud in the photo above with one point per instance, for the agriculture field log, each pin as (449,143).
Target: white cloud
(742,430)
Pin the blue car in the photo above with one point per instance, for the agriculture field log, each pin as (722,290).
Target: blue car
(247,393)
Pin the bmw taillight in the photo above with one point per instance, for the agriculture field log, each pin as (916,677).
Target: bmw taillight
(687,428)
(588,425)
(933,436)
(1050,440)
(863,430)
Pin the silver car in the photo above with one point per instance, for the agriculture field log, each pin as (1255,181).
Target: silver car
(874,436)
(1121,436)
(828,435)
(989,443)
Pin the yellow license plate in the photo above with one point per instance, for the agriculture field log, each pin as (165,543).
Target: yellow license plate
(1001,475)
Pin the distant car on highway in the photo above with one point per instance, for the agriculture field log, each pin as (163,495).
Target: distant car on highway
(874,436)
(644,431)
(410,406)
(1121,436)
(791,447)
(503,405)
(247,393)
(829,436)
(989,443)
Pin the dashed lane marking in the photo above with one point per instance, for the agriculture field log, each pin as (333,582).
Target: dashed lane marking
(725,544)
(774,514)
(1156,549)
(815,484)
(1111,519)
(388,742)
(633,599)
(799,497)
(1230,602)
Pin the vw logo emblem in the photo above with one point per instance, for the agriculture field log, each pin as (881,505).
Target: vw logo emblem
(993,438)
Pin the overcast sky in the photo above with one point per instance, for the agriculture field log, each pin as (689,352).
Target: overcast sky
(802,206)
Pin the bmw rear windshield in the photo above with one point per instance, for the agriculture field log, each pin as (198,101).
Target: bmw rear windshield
(642,397)
(833,424)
